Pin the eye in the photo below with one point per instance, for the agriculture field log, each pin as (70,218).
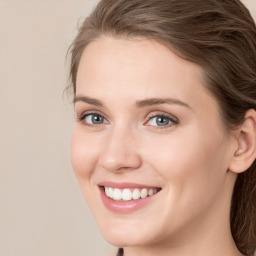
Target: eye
(161,121)
(92,119)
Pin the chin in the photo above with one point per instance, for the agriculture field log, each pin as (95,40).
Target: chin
(124,233)
(124,239)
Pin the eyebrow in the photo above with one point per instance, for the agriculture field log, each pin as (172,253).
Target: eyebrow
(139,103)
(88,100)
(157,101)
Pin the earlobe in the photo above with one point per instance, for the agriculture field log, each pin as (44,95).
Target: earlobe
(245,152)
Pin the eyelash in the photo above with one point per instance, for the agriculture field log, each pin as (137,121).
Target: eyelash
(171,119)
(84,115)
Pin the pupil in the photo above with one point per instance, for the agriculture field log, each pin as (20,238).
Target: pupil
(97,119)
(162,121)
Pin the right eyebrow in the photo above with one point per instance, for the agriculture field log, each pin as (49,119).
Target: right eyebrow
(158,101)
(88,100)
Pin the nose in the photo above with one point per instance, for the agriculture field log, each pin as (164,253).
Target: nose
(120,152)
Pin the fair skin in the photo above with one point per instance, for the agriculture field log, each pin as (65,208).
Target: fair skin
(179,147)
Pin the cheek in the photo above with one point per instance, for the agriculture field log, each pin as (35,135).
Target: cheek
(83,154)
(188,151)
(193,174)
(190,161)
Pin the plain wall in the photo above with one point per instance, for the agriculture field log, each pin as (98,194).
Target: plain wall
(42,210)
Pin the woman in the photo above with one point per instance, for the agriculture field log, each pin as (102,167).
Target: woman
(164,145)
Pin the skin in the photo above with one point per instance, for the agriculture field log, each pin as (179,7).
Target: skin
(193,158)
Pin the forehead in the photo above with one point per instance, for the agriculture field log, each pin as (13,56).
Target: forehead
(107,53)
(137,68)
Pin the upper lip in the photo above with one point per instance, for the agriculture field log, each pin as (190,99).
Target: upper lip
(123,185)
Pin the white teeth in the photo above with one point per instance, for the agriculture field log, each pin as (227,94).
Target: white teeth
(150,192)
(117,194)
(135,194)
(144,193)
(107,191)
(127,194)
(110,192)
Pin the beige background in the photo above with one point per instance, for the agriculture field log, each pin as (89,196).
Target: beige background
(42,211)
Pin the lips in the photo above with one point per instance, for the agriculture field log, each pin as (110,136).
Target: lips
(126,197)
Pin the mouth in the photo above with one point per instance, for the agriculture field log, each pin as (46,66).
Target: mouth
(128,194)
(126,197)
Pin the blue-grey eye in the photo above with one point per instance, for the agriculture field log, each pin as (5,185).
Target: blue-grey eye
(94,119)
(159,121)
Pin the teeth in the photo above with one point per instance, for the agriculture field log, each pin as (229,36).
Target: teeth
(109,192)
(144,193)
(128,194)
(135,194)
(117,194)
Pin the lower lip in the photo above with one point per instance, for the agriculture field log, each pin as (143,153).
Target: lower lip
(124,206)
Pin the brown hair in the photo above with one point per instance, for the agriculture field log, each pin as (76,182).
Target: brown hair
(218,35)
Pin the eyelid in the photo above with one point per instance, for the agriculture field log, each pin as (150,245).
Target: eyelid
(172,118)
(82,116)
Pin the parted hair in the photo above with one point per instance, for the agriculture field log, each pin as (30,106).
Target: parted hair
(219,36)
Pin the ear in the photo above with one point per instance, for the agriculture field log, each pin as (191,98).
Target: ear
(245,149)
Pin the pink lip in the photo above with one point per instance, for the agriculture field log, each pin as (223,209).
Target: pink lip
(123,185)
(124,206)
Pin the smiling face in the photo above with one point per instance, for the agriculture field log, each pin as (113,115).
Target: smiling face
(147,128)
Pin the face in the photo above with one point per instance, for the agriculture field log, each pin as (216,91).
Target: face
(148,148)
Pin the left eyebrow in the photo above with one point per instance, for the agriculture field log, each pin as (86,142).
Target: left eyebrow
(88,100)
(157,101)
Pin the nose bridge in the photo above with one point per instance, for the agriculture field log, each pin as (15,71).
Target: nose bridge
(119,151)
